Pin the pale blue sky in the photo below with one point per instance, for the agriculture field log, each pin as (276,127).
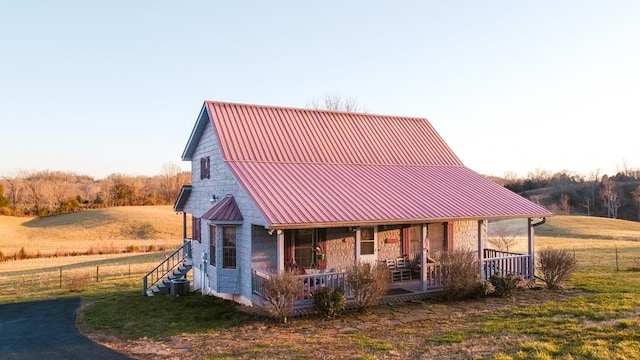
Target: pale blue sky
(116,86)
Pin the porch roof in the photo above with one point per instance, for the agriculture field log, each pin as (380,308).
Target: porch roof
(295,195)
(226,210)
(182,198)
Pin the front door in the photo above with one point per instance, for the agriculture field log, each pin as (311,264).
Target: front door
(368,246)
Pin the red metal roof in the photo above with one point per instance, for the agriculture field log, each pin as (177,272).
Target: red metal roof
(311,167)
(224,210)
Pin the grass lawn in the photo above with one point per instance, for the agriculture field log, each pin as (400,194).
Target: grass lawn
(596,317)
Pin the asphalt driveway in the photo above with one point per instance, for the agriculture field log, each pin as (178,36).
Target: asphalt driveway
(46,330)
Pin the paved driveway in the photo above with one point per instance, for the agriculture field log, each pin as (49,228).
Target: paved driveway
(46,330)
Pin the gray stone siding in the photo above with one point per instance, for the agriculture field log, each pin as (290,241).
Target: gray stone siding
(389,243)
(341,248)
(465,235)
(437,241)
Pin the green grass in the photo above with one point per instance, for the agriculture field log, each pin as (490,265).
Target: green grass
(132,316)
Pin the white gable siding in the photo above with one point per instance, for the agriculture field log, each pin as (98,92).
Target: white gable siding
(221,282)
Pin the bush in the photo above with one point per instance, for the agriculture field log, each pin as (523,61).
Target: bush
(507,285)
(460,275)
(556,266)
(486,288)
(77,282)
(329,302)
(280,291)
(368,284)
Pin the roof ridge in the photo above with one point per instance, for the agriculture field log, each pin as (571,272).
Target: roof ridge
(341,163)
(314,110)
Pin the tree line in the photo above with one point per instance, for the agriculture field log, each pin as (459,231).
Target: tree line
(615,196)
(48,192)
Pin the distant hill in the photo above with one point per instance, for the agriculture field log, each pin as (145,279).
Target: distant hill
(116,227)
(589,227)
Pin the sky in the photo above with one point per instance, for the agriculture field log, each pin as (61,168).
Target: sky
(512,86)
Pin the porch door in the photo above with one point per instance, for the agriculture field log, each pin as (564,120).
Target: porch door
(368,246)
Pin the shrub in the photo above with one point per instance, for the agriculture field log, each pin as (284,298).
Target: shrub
(486,288)
(368,284)
(22,254)
(507,285)
(556,266)
(77,282)
(329,302)
(460,275)
(280,291)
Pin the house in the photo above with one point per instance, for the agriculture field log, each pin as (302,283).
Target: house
(274,187)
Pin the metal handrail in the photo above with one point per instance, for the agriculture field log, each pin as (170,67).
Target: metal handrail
(166,266)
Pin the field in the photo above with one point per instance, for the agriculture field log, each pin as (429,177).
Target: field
(99,231)
(597,316)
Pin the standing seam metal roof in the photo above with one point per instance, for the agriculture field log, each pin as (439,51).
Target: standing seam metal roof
(305,167)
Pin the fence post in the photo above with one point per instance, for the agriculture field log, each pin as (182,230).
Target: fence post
(98,273)
(617,264)
(60,277)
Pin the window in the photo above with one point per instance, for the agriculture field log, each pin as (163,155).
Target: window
(229,247)
(205,168)
(303,243)
(195,228)
(212,245)
(367,245)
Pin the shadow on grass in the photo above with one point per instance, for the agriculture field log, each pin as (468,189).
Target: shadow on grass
(86,219)
(131,315)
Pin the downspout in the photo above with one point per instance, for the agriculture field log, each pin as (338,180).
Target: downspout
(184,225)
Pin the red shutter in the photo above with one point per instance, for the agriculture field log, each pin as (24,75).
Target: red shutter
(288,248)
(195,228)
(406,241)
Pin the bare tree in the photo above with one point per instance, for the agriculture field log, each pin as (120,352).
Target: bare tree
(636,197)
(335,102)
(36,187)
(14,188)
(170,181)
(565,206)
(502,234)
(587,202)
(610,195)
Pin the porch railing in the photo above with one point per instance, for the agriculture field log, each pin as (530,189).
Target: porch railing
(167,266)
(310,282)
(502,263)
(433,279)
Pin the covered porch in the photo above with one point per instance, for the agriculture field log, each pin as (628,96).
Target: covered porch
(322,256)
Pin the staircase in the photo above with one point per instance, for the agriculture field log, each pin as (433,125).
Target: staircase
(174,267)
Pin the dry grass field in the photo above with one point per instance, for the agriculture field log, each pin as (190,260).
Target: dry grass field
(96,231)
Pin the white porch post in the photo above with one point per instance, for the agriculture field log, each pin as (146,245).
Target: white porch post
(357,255)
(480,250)
(531,249)
(423,257)
(280,251)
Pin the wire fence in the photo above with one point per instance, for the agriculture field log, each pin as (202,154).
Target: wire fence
(74,278)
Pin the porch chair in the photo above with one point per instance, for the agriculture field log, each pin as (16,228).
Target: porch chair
(404,268)
(396,274)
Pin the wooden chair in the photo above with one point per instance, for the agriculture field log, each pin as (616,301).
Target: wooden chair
(396,274)
(403,267)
